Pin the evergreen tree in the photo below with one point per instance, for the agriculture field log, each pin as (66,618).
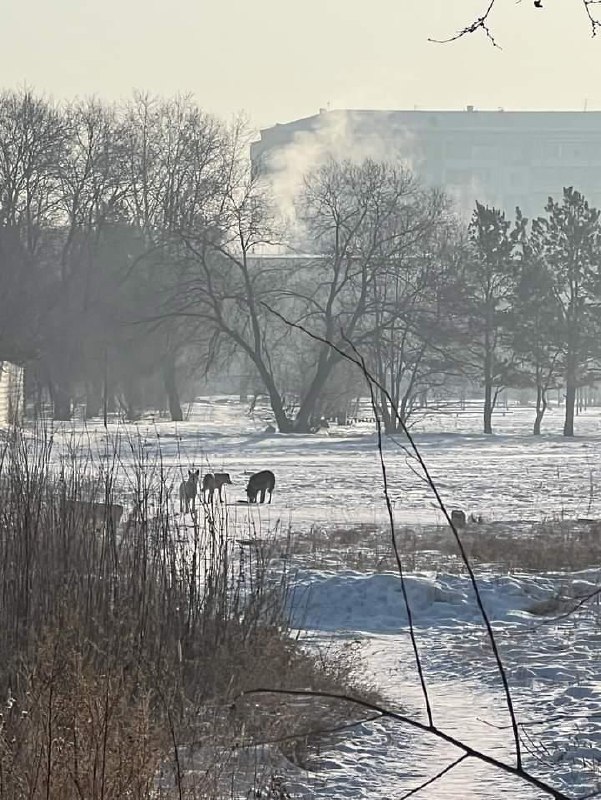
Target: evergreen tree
(488,286)
(569,242)
(535,323)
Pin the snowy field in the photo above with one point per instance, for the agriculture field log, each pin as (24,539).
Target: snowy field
(334,478)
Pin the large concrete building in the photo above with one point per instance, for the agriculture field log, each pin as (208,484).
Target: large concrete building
(505,158)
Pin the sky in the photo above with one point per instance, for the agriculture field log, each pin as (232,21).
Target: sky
(278,60)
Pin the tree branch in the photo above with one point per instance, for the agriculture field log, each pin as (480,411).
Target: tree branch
(480,23)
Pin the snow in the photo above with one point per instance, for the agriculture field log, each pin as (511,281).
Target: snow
(555,682)
(346,600)
(553,663)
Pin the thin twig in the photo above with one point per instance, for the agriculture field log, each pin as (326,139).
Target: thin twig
(583,601)
(480,23)
(346,726)
(588,7)
(436,777)
(532,723)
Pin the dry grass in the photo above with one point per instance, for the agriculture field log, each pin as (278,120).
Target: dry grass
(126,647)
(538,547)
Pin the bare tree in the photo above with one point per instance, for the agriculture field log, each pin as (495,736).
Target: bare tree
(31,138)
(409,353)
(355,219)
(365,220)
(89,193)
(174,157)
(224,281)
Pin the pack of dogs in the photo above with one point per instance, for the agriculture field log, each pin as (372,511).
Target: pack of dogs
(259,485)
(109,516)
(98,515)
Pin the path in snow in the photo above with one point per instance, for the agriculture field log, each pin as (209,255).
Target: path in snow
(555,676)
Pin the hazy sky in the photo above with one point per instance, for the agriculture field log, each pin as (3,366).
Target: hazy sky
(278,60)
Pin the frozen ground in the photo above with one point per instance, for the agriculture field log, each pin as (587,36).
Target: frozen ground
(334,478)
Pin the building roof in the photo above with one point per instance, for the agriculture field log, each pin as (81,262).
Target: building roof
(450,120)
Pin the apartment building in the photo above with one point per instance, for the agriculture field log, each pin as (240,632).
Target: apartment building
(503,158)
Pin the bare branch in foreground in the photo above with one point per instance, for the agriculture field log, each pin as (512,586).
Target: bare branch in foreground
(592,16)
(532,723)
(581,602)
(480,23)
(346,726)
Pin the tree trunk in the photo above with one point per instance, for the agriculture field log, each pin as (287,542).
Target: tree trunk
(61,400)
(131,400)
(488,408)
(302,423)
(306,412)
(405,408)
(170,383)
(281,418)
(488,399)
(388,415)
(568,425)
(541,407)
(93,399)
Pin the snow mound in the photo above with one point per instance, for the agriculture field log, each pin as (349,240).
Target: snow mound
(374,603)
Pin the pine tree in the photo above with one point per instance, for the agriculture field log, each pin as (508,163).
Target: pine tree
(489,280)
(569,242)
(535,321)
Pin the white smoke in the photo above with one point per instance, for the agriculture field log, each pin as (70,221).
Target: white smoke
(340,135)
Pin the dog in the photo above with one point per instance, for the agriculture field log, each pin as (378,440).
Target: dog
(260,482)
(212,481)
(188,490)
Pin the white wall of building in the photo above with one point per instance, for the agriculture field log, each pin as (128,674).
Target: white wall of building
(12,395)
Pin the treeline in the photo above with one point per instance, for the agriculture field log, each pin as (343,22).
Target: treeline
(92,200)
(138,249)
